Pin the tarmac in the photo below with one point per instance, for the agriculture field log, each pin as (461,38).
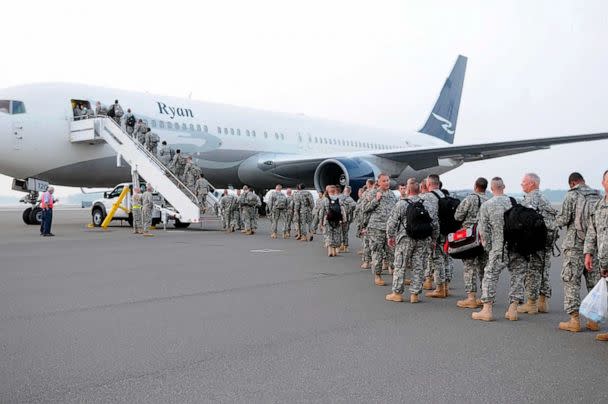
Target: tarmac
(203,316)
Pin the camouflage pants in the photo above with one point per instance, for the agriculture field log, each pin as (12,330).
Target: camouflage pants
(202,201)
(437,262)
(137,219)
(248,217)
(275,216)
(495,265)
(237,217)
(345,230)
(227,219)
(537,277)
(409,253)
(449,268)
(315,221)
(473,271)
(288,220)
(378,247)
(572,270)
(332,235)
(146,219)
(367,249)
(303,225)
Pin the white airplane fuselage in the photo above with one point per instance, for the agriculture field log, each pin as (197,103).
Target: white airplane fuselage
(232,145)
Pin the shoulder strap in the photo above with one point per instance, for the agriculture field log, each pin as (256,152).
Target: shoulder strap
(436,194)
(513,201)
(478,201)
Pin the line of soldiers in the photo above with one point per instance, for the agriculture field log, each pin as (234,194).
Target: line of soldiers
(240,211)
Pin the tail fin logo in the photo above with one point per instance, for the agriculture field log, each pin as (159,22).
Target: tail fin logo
(446,124)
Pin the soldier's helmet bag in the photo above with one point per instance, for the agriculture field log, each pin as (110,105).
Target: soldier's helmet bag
(525,231)
(334,213)
(447,208)
(419,224)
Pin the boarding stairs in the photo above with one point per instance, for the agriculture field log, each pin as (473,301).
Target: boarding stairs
(184,204)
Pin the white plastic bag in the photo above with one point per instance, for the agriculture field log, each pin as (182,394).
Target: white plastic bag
(595,304)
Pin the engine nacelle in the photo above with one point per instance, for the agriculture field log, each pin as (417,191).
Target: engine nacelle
(344,171)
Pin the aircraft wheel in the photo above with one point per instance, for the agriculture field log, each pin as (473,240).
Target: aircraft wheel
(26,216)
(36,215)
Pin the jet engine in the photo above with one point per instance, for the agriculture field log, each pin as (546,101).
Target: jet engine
(344,171)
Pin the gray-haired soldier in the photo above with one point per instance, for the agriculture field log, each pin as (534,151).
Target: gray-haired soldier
(467,213)
(538,285)
(574,215)
(491,228)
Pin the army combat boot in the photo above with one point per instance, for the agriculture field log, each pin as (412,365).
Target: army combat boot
(602,337)
(428,283)
(530,307)
(543,304)
(273,235)
(469,303)
(485,314)
(414,298)
(394,297)
(365,265)
(438,293)
(511,313)
(592,326)
(572,325)
(286,235)
(378,281)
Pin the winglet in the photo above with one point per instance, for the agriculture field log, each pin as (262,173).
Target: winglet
(441,123)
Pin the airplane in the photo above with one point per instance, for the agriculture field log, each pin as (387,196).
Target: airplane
(234,145)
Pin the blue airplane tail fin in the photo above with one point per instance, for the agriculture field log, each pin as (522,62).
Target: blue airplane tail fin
(441,123)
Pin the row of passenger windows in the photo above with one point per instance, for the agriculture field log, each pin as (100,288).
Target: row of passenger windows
(276,135)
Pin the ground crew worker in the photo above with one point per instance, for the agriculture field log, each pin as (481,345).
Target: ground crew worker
(437,257)
(574,215)
(201,190)
(349,207)
(136,206)
(408,251)
(303,205)
(332,215)
(164,153)
(277,205)
(47,203)
(379,206)
(491,229)
(227,204)
(538,285)
(151,140)
(472,267)
(147,207)
(596,240)
(288,214)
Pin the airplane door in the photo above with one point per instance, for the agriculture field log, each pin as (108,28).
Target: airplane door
(17,135)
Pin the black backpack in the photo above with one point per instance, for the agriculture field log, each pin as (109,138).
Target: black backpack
(131,121)
(447,208)
(419,223)
(111,112)
(334,213)
(525,231)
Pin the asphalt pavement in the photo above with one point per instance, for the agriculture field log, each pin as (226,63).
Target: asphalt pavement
(202,316)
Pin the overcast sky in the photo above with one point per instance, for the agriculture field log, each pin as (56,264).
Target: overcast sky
(536,68)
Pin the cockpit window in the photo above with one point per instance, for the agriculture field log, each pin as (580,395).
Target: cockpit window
(12,107)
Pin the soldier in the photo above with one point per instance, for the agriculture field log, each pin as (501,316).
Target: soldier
(538,285)
(409,251)
(139,132)
(574,215)
(277,206)
(100,110)
(366,257)
(201,189)
(129,120)
(238,217)
(177,164)
(472,267)
(316,219)
(146,211)
(136,205)
(379,206)
(332,215)
(164,153)
(249,203)
(151,140)
(596,240)
(491,229)
(303,203)
(227,206)
(437,257)
(288,214)
(349,207)
(428,275)
(78,112)
(357,216)
(116,112)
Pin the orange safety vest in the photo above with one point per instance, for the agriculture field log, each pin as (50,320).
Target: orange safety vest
(43,204)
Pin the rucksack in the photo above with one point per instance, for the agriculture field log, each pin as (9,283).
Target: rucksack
(583,211)
(447,208)
(419,223)
(525,231)
(131,120)
(154,139)
(334,212)
(111,112)
(281,201)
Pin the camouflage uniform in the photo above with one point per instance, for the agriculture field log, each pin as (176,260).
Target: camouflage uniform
(376,228)
(316,218)
(277,212)
(537,276)
(191,173)
(136,206)
(332,234)
(367,248)
(151,140)
(349,207)
(472,267)
(409,252)
(437,259)
(289,214)
(201,190)
(177,165)
(574,261)
(248,202)
(491,227)
(164,154)
(303,204)
(146,211)
(596,239)
(228,203)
